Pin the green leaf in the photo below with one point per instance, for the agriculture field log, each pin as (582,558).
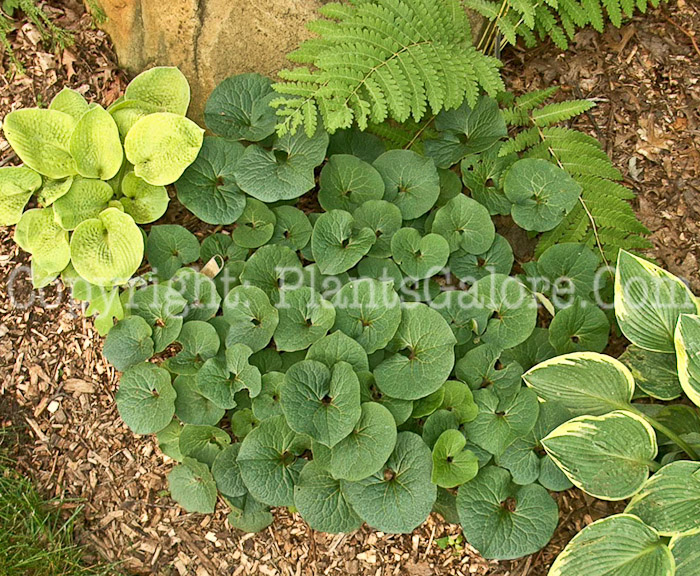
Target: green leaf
(292,229)
(199,290)
(267,403)
(424,355)
(670,501)
(321,402)
(607,456)
(364,145)
(199,342)
(41,139)
(436,424)
(620,545)
(85,199)
(648,303)
(17,184)
(161,146)
(252,318)
(95,145)
(384,219)
(107,250)
(336,246)
(337,347)
(127,112)
(541,193)
(655,373)
(244,375)
(164,87)
(203,443)
(482,174)
(459,400)
(144,202)
(411,181)
(687,340)
(347,182)
(583,382)
(52,190)
(192,486)
(249,515)
(270,268)
(497,259)
(129,343)
(269,461)
(686,551)
(400,409)
(169,440)
(161,307)
(216,383)
(503,520)
(321,503)
(146,399)
(452,464)
(304,317)
(534,350)
(239,108)
(465,224)
(255,226)
(227,473)
(480,369)
(580,327)
(192,406)
(426,406)
(38,233)
(419,257)
(398,497)
(565,265)
(169,247)
(69,102)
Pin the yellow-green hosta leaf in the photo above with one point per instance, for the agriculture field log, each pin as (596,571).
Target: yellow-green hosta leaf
(583,382)
(127,112)
(70,102)
(107,250)
(687,340)
(686,551)
(620,545)
(17,184)
(52,190)
(164,87)
(86,198)
(161,146)
(95,145)
(142,201)
(608,456)
(38,234)
(41,138)
(670,500)
(648,302)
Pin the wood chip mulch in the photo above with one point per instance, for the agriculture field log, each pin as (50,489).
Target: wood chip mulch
(58,392)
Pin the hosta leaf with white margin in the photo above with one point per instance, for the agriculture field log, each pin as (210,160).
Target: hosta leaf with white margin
(192,486)
(70,102)
(502,420)
(399,496)
(648,302)
(38,233)
(270,268)
(248,515)
(384,219)
(52,190)
(146,398)
(670,501)
(400,409)
(452,464)
(580,327)
(284,172)
(609,456)
(199,291)
(321,402)
(85,199)
(321,502)
(227,473)
(107,250)
(169,247)
(255,225)
(620,545)
(497,259)
(419,256)
(204,443)
(252,318)
(161,146)
(336,245)
(95,145)
(687,340)
(129,343)
(164,87)
(267,403)
(583,382)
(304,317)
(411,181)
(269,461)
(466,130)
(292,228)
(192,406)
(239,108)
(541,193)
(686,552)
(161,307)
(244,375)
(337,347)
(41,138)
(465,224)
(655,373)
(513,308)
(368,446)
(17,184)
(503,520)
(348,182)
(424,356)
(566,265)
(144,202)
(199,342)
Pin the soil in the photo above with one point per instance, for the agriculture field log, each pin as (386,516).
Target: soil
(56,388)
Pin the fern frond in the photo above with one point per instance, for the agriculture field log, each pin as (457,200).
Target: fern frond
(560,111)
(385,59)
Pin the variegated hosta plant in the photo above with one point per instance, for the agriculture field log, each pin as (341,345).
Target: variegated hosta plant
(91,176)
(634,431)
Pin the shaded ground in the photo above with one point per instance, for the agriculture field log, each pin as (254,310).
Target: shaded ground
(55,384)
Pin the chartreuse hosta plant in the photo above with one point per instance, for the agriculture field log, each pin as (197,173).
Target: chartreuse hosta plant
(91,176)
(625,439)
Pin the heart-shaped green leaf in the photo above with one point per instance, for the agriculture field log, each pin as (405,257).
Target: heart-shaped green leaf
(271,268)
(192,486)
(267,403)
(565,266)
(580,327)
(384,219)
(419,257)
(227,473)
(292,228)
(164,87)
(192,406)
(244,375)
(252,318)
(85,199)
(364,145)
(52,190)
(249,515)
(480,368)
(336,245)
(255,226)
(146,398)
(95,145)
(161,307)
(144,202)
(482,175)
(337,347)
(217,384)
(169,440)
(129,343)
(452,464)
(169,247)
(400,409)
(199,342)
(203,443)
(304,317)
(199,291)
(465,224)
(348,182)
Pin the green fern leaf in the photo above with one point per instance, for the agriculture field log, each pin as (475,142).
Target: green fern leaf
(560,111)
